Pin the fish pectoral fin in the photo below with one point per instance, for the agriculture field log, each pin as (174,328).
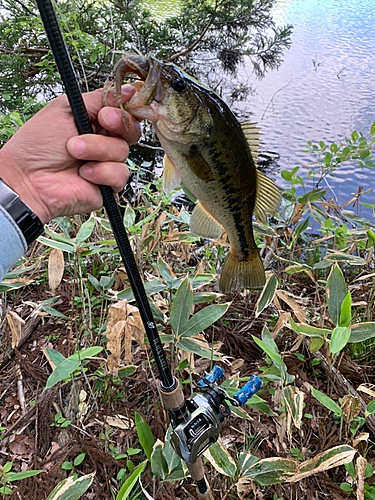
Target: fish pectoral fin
(171,178)
(202,224)
(268,197)
(198,165)
(237,273)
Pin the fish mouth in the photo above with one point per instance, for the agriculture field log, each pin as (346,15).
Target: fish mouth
(142,105)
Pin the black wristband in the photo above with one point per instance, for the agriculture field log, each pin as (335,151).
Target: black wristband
(28,222)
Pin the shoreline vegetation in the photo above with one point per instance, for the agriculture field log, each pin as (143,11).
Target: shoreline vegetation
(308,335)
(80,413)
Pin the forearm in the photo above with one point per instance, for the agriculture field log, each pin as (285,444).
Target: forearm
(12,243)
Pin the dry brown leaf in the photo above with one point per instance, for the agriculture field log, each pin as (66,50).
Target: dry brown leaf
(114,335)
(361,466)
(55,268)
(363,436)
(21,445)
(296,308)
(15,324)
(367,389)
(283,318)
(120,422)
(351,406)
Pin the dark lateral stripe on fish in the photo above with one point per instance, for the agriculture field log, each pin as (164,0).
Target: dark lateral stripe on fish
(231,198)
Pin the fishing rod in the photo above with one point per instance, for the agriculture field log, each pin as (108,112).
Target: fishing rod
(197,421)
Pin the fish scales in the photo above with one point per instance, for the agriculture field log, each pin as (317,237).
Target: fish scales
(208,149)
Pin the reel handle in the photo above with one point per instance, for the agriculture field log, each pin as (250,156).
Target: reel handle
(253,385)
(215,374)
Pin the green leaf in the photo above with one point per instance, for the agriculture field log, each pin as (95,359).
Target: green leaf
(181,306)
(79,459)
(310,331)
(346,310)
(166,273)
(335,292)
(95,283)
(267,295)
(267,339)
(327,402)
(190,345)
(55,356)
(52,312)
(153,286)
(346,487)
(220,458)
(71,489)
(203,319)
(129,484)
(129,218)
(159,465)
(67,466)
(361,332)
(370,409)
(69,365)
(89,352)
(353,260)
(339,339)
(301,229)
(145,436)
(18,476)
(171,457)
(85,231)
(65,247)
(62,371)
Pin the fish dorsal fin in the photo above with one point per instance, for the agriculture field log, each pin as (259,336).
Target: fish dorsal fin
(204,225)
(252,134)
(171,178)
(268,197)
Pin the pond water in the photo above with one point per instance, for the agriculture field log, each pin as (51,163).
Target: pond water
(324,89)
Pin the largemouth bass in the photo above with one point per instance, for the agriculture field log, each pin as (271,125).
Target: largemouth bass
(211,152)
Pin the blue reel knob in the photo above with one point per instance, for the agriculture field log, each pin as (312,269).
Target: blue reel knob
(215,374)
(249,389)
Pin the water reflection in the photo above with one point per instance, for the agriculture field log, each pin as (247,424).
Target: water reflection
(324,89)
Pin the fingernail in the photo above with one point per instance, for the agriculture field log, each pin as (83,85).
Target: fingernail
(86,172)
(110,117)
(79,147)
(127,89)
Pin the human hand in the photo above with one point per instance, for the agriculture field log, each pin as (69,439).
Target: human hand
(54,171)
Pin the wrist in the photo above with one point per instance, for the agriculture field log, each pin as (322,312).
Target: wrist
(27,221)
(17,180)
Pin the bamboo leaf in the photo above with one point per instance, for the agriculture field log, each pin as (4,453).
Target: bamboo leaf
(361,332)
(327,402)
(190,345)
(129,484)
(339,339)
(181,306)
(220,458)
(346,310)
(66,247)
(310,331)
(145,436)
(85,231)
(267,295)
(335,292)
(203,319)
(71,489)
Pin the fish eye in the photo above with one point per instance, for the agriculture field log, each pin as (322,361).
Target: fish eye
(178,84)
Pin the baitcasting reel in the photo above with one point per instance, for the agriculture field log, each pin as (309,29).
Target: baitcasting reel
(198,423)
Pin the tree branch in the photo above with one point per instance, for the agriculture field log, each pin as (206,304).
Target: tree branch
(192,46)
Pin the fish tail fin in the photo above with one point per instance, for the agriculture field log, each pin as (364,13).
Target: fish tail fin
(237,273)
